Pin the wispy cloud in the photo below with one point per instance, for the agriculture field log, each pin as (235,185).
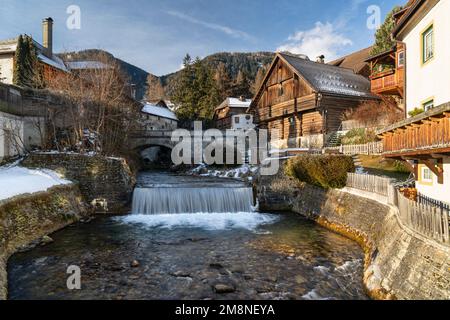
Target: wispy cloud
(213,26)
(322,39)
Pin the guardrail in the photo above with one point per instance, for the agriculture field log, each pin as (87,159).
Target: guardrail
(371,148)
(427,219)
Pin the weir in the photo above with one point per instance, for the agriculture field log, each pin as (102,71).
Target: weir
(192,199)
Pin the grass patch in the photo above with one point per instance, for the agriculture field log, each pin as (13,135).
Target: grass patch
(378,165)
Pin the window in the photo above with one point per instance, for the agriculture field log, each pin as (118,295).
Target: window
(292,122)
(428,105)
(401,59)
(236,120)
(427,175)
(281,91)
(428,45)
(248,117)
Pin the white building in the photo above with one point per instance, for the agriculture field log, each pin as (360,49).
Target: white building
(424,140)
(156,117)
(425,31)
(11,136)
(242,122)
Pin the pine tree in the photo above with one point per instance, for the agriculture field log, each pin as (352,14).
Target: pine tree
(27,68)
(196,91)
(383,38)
(223,81)
(19,63)
(242,85)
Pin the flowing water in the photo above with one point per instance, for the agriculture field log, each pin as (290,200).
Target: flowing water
(188,235)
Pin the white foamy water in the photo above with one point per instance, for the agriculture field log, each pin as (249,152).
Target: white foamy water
(192,200)
(208,221)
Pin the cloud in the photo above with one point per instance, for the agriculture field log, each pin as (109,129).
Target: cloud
(322,39)
(213,26)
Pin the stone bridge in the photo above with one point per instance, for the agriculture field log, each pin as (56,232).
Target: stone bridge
(154,138)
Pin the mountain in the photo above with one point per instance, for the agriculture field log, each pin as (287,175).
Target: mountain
(136,75)
(249,63)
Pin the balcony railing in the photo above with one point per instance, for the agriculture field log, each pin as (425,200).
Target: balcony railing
(428,132)
(387,81)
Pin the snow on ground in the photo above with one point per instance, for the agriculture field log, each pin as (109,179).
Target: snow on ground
(244,172)
(15,180)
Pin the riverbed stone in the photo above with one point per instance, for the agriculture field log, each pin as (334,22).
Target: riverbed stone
(222,288)
(399,263)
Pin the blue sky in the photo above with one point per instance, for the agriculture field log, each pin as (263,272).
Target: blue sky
(155,35)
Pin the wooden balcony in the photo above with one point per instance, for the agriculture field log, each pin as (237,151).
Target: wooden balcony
(388,82)
(424,136)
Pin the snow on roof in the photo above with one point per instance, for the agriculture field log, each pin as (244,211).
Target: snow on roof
(54,62)
(159,111)
(83,65)
(235,103)
(22,180)
(8,46)
(238,103)
(331,79)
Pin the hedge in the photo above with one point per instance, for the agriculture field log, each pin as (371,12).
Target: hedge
(325,171)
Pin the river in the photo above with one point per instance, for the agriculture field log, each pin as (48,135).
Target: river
(189,235)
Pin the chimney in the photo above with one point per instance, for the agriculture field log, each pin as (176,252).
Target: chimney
(320,59)
(47,36)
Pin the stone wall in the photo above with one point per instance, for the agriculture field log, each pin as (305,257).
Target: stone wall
(26,218)
(400,264)
(106,183)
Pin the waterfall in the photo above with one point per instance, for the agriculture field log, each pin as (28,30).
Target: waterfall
(190,200)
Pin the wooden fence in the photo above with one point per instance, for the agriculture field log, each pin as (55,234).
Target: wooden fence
(427,219)
(371,148)
(370,183)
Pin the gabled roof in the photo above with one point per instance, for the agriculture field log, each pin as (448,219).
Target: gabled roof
(414,8)
(159,111)
(234,103)
(325,78)
(86,65)
(355,61)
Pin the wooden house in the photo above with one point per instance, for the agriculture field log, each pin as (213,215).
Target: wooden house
(228,110)
(304,101)
(357,61)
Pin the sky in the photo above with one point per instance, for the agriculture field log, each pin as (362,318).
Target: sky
(155,35)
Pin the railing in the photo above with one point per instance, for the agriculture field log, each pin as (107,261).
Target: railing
(426,219)
(426,135)
(430,221)
(432,202)
(371,148)
(370,183)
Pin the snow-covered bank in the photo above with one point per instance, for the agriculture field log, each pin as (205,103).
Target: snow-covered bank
(15,180)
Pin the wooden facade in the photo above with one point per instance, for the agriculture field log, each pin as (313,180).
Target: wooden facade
(424,139)
(388,72)
(288,103)
(230,107)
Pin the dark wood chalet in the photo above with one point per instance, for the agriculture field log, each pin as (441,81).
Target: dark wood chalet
(305,100)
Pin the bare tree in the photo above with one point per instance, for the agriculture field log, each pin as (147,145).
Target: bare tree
(100,113)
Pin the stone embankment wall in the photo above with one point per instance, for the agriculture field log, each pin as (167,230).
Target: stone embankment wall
(25,218)
(399,263)
(105,183)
